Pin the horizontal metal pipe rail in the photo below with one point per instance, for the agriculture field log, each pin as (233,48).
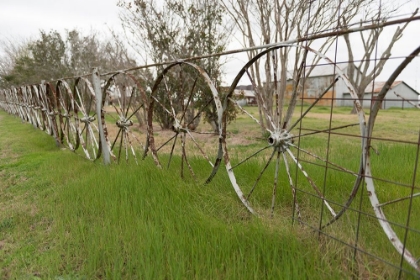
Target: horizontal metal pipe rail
(187,128)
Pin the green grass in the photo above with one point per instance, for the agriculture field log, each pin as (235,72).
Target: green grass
(64,217)
(392,168)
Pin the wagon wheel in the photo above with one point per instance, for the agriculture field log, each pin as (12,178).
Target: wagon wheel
(184,121)
(126,108)
(14,105)
(67,116)
(17,94)
(28,105)
(7,101)
(4,104)
(44,109)
(292,162)
(22,105)
(14,102)
(50,102)
(37,106)
(41,115)
(395,194)
(32,106)
(18,103)
(85,107)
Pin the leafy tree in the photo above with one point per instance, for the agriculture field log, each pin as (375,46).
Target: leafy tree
(42,59)
(176,29)
(53,56)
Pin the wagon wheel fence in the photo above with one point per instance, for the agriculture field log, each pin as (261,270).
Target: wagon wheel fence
(306,157)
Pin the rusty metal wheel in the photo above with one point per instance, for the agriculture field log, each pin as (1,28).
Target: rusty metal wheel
(184,121)
(8,102)
(29,105)
(125,107)
(4,102)
(67,113)
(304,159)
(85,108)
(49,103)
(19,104)
(43,103)
(37,106)
(393,177)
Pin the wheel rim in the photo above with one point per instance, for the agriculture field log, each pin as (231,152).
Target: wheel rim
(395,199)
(127,110)
(295,155)
(182,94)
(37,107)
(84,103)
(67,113)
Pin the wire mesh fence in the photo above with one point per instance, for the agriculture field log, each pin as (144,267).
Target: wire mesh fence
(309,146)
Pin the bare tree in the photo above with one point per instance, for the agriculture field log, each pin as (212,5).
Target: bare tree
(268,21)
(93,50)
(363,71)
(11,50)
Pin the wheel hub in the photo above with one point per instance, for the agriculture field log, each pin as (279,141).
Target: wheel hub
(177,127)
(123,123)
(280,139)
(87,119)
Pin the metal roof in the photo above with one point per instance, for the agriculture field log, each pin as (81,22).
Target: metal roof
(376,86)
(326,69)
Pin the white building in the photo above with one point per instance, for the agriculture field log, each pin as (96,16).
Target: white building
(400,95)
(318,82)
(321,77)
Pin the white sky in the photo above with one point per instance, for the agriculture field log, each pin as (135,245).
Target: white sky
(22,19)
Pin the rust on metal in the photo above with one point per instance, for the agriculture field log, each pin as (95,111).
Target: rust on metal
(76,117)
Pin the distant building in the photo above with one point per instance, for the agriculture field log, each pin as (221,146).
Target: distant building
(318,81)
(322,76)
(398,96)
(245,95)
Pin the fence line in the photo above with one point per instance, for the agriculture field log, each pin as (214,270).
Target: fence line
(183,122)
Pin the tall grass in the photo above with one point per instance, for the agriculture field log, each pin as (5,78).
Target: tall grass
(64,217)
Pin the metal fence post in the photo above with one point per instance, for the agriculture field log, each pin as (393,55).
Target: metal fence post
(96,82)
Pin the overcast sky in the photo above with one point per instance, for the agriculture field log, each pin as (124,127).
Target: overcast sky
(21,19)
(24,18)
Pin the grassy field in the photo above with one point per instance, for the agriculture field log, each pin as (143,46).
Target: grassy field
(64,217)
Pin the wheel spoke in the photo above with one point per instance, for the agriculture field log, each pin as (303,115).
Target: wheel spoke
(184,155)
(172,150)
(338,167)
(245,112)
(188,102)
(251,156)
(260,175)
(276,175)
(311,182)
(292,186)
(199,148)
(116,138)
(398,200)
(310,107)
